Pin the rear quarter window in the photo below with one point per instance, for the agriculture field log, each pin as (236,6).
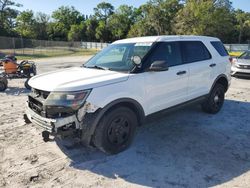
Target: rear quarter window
(193,51)
(220,48)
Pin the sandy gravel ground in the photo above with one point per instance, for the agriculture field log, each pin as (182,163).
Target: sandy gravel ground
(185,148)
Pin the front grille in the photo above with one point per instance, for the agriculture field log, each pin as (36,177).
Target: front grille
(244,66)
(36,101)
(36,105)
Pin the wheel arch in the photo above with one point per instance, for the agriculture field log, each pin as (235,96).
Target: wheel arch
(92,119)
(221,79)
(127,102)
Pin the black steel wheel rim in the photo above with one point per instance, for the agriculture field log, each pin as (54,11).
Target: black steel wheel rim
(218,98)
(119,130)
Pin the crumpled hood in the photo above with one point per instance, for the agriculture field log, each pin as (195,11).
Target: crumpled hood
(76,79)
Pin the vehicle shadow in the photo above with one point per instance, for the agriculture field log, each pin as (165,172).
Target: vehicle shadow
(185,148)
(242,77)
(16,91)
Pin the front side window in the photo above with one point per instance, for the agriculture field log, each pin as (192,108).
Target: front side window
(118,57)
(194,51)
(166,51)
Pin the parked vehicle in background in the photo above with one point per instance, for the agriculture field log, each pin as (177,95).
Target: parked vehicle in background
(241,65)
(103,102)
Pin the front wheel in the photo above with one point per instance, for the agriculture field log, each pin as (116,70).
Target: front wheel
(116,130)
(215,100)
(27,86)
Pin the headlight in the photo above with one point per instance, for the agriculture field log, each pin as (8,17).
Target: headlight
(73,100)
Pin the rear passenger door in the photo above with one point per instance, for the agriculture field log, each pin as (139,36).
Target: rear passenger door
(198,58)
(166,88)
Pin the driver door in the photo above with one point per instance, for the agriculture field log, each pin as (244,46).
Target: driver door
(165,89)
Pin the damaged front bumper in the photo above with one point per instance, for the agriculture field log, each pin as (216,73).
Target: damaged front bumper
(52,125)
(63,126)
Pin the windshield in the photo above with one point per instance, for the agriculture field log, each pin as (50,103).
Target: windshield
(118,57)
(245,55)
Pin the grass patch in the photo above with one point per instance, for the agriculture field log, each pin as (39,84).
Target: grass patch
(22,54)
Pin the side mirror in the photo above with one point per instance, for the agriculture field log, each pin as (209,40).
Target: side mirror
(136,60)
(158,66)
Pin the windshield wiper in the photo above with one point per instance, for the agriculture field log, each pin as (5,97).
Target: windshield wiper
(97,67)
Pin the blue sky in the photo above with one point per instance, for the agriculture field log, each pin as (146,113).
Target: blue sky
(86,6)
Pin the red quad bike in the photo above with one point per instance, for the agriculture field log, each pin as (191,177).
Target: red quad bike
(12,70)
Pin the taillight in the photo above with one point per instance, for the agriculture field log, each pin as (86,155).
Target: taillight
(231,59)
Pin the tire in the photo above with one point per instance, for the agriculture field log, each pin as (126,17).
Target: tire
(3,86)
(27,86)
(215,100)
(115,131)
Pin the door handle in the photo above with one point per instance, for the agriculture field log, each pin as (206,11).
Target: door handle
(212,65)
(181,73)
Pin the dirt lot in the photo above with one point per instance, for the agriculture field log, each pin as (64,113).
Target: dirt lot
(186,148)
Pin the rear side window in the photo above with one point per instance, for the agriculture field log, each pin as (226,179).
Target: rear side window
(220,48)
(167,51)
(193,51)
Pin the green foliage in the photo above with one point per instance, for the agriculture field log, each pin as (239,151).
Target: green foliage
(7,15)
(25,24)
(243,25)
(121,21)
(103,11)
(205,17)
(156,17)
(77,32)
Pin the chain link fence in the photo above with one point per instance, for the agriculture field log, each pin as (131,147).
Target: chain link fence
(42,48)
(237,47)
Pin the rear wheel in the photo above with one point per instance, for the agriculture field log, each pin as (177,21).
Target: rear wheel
(116,130)
(215,100)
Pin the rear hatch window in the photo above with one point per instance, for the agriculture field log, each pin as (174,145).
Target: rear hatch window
(220,48)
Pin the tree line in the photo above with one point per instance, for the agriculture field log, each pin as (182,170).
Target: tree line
(156,17)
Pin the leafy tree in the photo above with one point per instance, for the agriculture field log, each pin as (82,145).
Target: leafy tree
(205,17)
(64,17)
(7,15)
(121,21)
(91,25)
(25,24)
(57,31)
(243,25)
(103,11)
(41,26)
(67,16)
(155,18)
(103,33)
(77,32)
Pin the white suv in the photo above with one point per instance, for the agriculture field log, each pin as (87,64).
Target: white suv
(105,100)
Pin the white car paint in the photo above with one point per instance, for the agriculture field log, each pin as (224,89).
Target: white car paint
(76,79)
(154,91)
